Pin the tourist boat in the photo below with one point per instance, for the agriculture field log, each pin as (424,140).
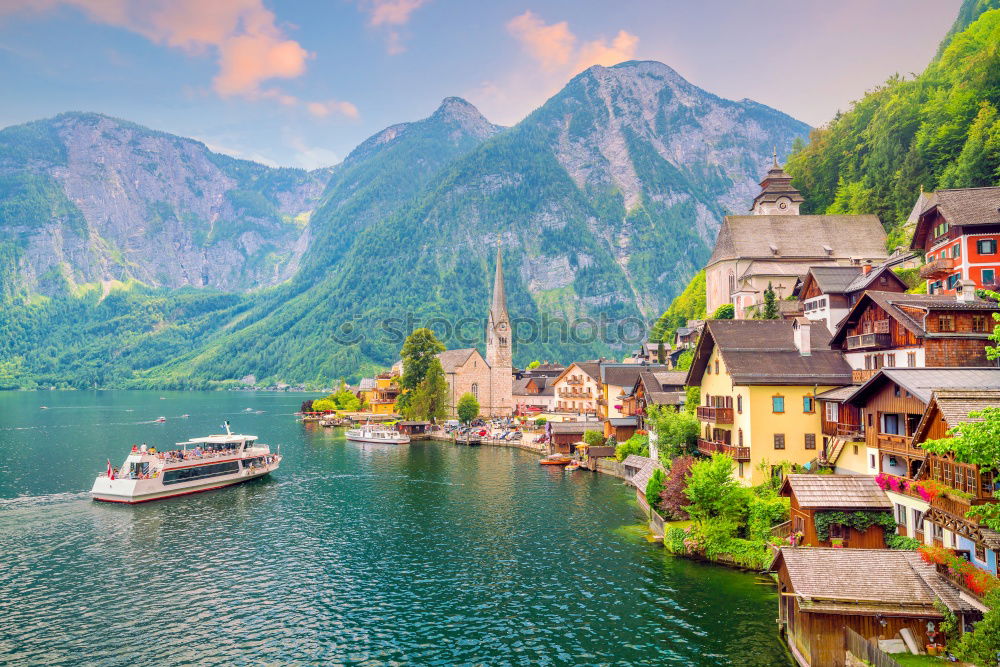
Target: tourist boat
(160,420)
(555,460)
(377,433)
(199,464)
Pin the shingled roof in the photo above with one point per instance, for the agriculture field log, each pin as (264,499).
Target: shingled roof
(836,492)
(813,237)
(954,406)
(866,581)
(763,352)
(922,382)
(895,305)
(452,359)
(625,375)
(965,207)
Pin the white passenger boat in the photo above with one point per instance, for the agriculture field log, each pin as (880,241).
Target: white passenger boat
(200,464)
(377,433)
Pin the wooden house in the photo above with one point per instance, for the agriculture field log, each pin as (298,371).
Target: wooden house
(654,388)
(565,435)
(843,445)
(875,592)
(946,517)
(959,232)
(417,430)
(812,495)
(890,330)
(828,292)
(533,394)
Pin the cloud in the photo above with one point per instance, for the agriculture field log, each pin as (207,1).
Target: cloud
(243,34)
(391,14)
(555,48)
(332,106)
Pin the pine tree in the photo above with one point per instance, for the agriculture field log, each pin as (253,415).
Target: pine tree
(770,311)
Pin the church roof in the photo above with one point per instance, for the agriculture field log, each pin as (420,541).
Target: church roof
(452,359)
(777,184)
(498,308)
(799,237)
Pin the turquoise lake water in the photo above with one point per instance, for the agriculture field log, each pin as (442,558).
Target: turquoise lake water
(349,554)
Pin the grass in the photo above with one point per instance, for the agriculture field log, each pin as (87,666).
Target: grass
(910,660)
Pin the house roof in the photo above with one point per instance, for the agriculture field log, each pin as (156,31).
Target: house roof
(660,381)
(666,398)
(922,382)
(864,280)
(366,383)
(836,492)
(773,268)
(895,305)
(575,427)
(966,207)
(591,368)
(837,395)
(625,375)
(799,237)
(452,359)
(954,405)
(866,581)
(833,279)
(644,469)
(624,421)
(762,352)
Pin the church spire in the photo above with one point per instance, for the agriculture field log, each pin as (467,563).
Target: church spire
(498,329)
(499,306)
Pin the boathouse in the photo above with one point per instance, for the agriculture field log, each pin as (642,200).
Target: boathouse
(815,499)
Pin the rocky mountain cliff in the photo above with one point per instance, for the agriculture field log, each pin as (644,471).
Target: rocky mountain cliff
(607,199)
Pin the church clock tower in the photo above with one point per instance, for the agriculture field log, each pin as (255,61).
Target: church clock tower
(499,337)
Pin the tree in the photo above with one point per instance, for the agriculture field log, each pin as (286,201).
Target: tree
(593,437)
(685,360)
(672,498)
(692,399)
(714,493)
(430,399)
(688,305)
(467,408)
(676,431)
(982,645)
(654,487)
(534,364)
(661,353)
(724,312)
(770,311)
(993,352)
(419,349)
(307,406)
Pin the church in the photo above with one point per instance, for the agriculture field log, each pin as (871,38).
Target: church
(490,380)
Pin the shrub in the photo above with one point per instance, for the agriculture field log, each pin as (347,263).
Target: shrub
(654,487)
(593,438)
(637,444)
(672,498)
(541,421)
(673,540)
(902,543)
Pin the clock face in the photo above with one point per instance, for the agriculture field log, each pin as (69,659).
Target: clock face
(783,205)
(502,327)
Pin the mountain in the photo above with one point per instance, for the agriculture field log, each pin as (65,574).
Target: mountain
(85,198)
(940,129)
(606,200)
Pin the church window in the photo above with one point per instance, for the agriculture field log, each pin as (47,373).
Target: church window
(475,390)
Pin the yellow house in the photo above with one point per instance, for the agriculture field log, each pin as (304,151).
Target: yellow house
(381,398)
(759,380)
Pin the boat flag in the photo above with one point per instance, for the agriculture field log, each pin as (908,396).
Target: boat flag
(111,473)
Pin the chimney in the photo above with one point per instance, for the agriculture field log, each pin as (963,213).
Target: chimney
(965,291)
(801,329)
(867,268)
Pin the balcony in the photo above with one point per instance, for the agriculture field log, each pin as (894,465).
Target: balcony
(843,430)
(937,268)
(868,340)
(709,447)
(707,413)
(574,380)
(863,375)
(898,444)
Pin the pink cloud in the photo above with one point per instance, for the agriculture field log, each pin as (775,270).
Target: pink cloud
(555,48)
(599,52)
(392,14)
(249,45)
(322,109)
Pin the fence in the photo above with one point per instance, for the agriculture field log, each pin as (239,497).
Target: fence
(611,467)
(863,649)
(656,523)
(782,530)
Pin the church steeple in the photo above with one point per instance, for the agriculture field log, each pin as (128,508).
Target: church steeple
(777,195)
(498,331)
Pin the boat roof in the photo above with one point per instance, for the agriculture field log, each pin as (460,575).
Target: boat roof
(219,439)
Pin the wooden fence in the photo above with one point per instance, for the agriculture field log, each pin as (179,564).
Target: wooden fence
(782,530)
(863,649)
(611,467)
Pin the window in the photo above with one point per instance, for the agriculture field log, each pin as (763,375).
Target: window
(800,525)
(952,281)
(988,277)
(740,437)
(979,323)
(779,440)
(777,404)
(890,360)
(739,404)
(716,366)
(986,247)
(981,553)
(475,390)
(871,461)
(855,450)
(930,258)
(837,531)
(946,322)
(900,514)
(732,284)
(832,411)
(199,472)
(808,404)
(810,441)
(956,250)
(918,520)
(911,359)
(937,532)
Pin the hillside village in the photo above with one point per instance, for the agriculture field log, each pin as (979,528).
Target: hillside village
(827,369)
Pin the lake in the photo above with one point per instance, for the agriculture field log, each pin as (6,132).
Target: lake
(348,554)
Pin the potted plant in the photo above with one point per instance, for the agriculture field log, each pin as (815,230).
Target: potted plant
(837,542)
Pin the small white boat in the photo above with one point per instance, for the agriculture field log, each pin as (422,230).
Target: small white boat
(160,420)
(377,433)
(200,464)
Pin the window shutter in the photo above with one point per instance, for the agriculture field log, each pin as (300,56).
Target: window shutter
(810,441)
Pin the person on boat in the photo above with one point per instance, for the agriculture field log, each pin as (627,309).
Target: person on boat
(152,450)
(135,448)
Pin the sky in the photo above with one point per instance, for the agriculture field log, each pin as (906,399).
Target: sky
(302,82)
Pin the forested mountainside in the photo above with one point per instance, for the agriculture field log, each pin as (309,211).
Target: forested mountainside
(86,199)
(607,199)
(940,129)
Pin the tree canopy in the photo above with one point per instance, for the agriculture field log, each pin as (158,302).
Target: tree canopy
(467,408)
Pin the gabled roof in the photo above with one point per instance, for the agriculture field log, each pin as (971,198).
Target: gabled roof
(922,382)
(866,581)
(954,406)
(965,207)
(625,375)
(895,305)
(576,427)
(452,359)
(833,279)
(666,398)
(591,368)
(797,237)
(645,467)
(865,280)
(762,352)
(836,492)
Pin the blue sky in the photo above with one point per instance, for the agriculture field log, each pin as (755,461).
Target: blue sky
(300,83)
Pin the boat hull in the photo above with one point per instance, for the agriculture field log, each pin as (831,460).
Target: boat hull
(142,491)
(404,440)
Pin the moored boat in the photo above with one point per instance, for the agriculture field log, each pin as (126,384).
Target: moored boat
(377,433)
(199,464)
(555,460)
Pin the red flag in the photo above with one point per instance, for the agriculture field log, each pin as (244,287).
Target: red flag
(111,473)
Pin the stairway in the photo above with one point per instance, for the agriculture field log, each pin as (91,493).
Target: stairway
(837,444)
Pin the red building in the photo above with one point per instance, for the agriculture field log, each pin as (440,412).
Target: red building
(959,232)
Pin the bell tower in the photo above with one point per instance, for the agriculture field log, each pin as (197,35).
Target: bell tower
(498,330)
(777,196)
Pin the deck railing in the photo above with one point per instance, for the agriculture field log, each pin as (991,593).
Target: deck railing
(709,447)
(937,267)
(862,341)
(709,413)
(898,444)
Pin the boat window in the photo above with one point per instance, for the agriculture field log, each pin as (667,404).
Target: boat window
(199,472)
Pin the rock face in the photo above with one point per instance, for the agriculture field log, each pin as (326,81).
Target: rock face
(85,198)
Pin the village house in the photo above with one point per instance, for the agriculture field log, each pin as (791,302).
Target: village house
(380,393)
(533,394)
(843,448)
(577,388)
(828,292)
(892,405)
(958,230)
(566,435)
(813,496)
(877,593)
(886,329)
(777,246)
(648,353)
(617,381)
(654,388)
(759,380)
(948,525)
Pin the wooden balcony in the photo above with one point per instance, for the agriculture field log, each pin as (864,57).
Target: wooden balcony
(843,430)
(957,507)
(708,413)
(863,375)
(709,447)
(868,340)
(939,267)
(898,444)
